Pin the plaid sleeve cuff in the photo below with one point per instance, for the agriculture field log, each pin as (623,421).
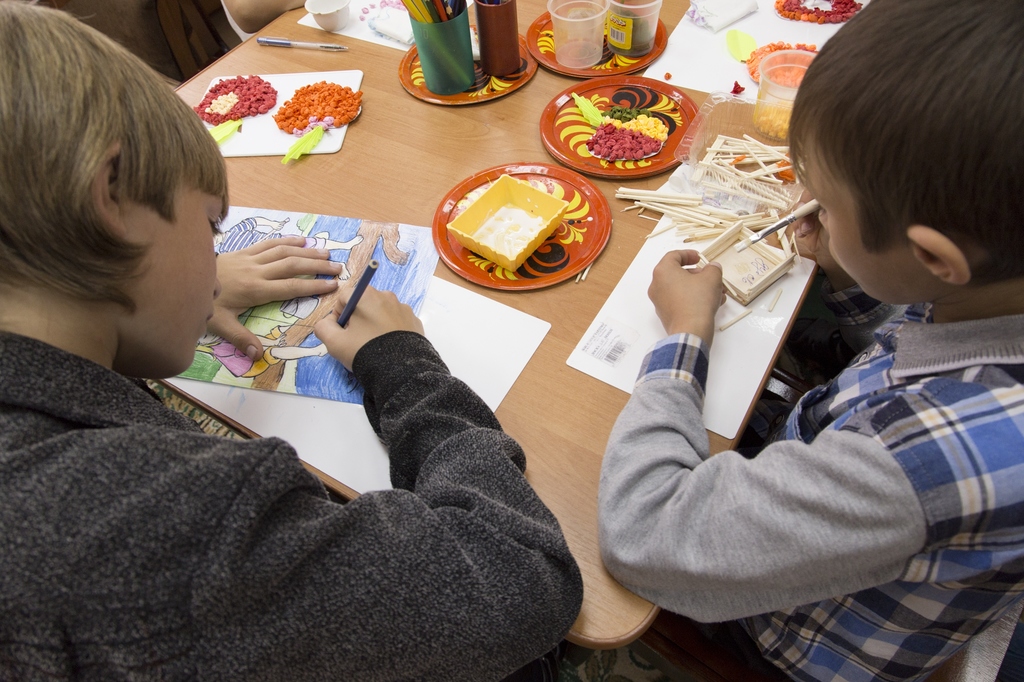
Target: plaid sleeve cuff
(681,356)
(851,306)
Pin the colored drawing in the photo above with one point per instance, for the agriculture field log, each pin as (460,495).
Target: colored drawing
(293,359)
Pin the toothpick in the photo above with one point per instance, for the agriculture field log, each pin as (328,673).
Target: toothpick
(775,299)
(735,320)
(584,273)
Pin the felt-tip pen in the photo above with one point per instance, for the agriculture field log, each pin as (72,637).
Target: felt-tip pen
(284,42)
(357,292)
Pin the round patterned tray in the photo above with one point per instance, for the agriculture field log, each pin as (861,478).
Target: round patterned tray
(564,131)
(540,39)
(576,243)
(484,87)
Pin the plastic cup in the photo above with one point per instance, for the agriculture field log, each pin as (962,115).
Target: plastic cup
(781,75)
(578,27)
(497,27)
(330,15)
(446,54)
(632,25)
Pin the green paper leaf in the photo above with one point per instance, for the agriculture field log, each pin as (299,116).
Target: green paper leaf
(225,130)
(740,44)
(305,144)
(590,112)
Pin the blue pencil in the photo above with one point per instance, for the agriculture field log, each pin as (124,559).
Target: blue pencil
(357,293)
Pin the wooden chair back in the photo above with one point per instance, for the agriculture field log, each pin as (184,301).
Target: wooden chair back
(193,40)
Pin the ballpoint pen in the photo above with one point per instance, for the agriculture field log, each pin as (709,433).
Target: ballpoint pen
(807,209)
(284,42)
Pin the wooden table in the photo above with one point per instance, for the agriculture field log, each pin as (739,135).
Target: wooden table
(398,160)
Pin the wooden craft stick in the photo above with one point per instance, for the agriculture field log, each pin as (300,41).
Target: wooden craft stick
(735,320)
(584,273)
(775,299)
(660,230)
(732,290)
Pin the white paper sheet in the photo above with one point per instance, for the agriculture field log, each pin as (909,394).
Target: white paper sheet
(358,26)
(484,343)
(699,59)
(614,346)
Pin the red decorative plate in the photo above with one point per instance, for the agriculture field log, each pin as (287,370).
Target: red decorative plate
(576,243)
(541,41)
(484,87)
(564,131)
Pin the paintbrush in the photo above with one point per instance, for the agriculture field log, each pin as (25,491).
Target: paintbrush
(807,209)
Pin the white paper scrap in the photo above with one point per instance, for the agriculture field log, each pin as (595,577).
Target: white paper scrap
(484,343)
(740,355)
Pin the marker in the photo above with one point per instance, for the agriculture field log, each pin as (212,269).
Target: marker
(284,42)
(357,293)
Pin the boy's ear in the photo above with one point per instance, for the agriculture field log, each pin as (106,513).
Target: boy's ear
(939,254)
(106,191)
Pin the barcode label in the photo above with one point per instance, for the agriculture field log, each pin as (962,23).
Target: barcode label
(620,31)
(615,352)
(608,344)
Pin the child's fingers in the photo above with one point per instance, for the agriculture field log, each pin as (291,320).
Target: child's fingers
(295,265)
(226,325)
(276,252)
(262,246)
(293,287)
(674,260)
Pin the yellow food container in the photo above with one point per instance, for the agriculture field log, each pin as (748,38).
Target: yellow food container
(508,222)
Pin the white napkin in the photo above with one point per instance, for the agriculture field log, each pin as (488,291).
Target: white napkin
(717,14)
(392,24)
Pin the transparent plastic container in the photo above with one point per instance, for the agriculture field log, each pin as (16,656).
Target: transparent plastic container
(732,116)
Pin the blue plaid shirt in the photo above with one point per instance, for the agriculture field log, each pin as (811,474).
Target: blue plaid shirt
(953,418)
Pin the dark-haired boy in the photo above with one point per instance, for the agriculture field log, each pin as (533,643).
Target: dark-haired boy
(886,526)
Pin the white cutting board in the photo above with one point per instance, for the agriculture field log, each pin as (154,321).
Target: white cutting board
(260,136)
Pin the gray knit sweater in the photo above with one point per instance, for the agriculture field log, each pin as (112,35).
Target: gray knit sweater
(133,546)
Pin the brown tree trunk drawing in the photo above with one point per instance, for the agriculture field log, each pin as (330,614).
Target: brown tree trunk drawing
(358,258)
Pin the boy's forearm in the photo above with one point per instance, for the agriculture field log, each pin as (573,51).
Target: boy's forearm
(447,447)
(721,537)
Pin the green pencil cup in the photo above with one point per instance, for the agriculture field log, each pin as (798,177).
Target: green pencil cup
(446,54)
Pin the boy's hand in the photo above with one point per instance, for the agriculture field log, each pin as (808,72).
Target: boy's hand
(686,300)
(812,240)
(377,313)
(267,271)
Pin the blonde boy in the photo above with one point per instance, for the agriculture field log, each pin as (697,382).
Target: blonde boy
(886,526)
(132,545)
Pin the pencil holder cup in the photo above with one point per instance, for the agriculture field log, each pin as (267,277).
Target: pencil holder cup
(497,26)
(446,54)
